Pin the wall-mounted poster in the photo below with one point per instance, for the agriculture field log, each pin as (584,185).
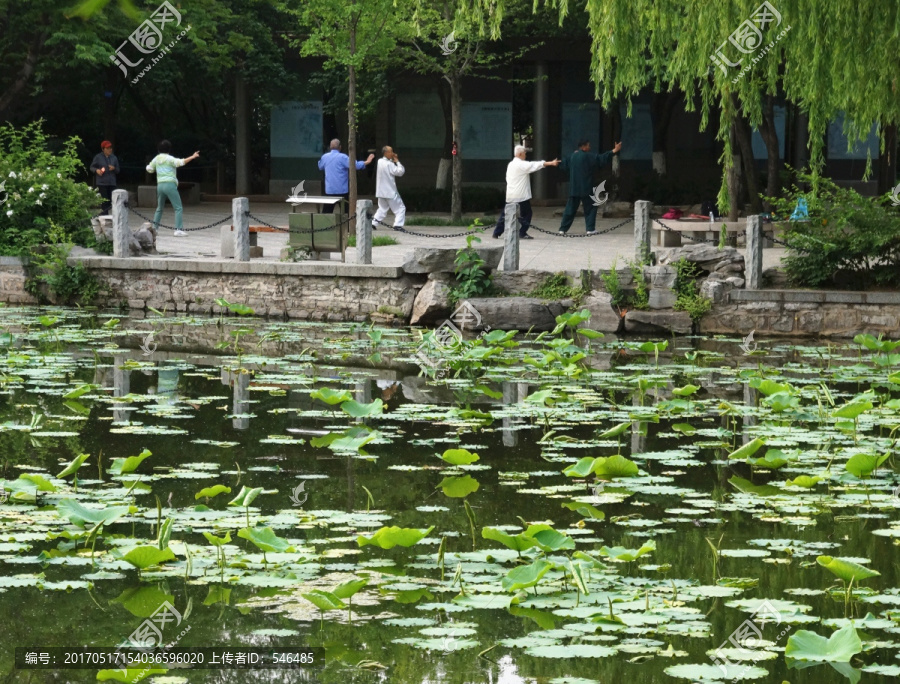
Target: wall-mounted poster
(759,146)
(837,142)
(296,129)
(580,120)
(486,131)
(637,133)
(419,120)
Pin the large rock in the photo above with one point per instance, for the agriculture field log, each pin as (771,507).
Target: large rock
(441,259)
(146,239)
(708,257)
(715,290)
(516,313)
(432,303)
(662,298)
(603,317)
(655,322)
(774,278)
(660,276)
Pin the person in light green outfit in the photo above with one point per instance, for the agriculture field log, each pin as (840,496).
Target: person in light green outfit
(164,165)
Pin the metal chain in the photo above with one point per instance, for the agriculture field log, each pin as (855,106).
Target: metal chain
(588,234)
(789,246)
(162,225)
(299,232)
(401,229)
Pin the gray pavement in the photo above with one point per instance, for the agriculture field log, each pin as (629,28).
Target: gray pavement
(550,253)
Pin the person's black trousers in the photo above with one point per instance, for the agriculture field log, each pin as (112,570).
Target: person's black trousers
(524,219)
(106,192)
(329,208)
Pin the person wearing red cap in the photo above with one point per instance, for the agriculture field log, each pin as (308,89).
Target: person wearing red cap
(105,167)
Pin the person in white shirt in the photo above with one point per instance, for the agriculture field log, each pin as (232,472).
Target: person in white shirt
(389,169)
(518,190)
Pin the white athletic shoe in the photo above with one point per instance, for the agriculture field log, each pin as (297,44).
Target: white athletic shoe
(180,233)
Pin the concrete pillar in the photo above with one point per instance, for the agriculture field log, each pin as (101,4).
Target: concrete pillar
(511,245)
(240,207)
(753,260)
(541,181)
(121,231)
(363,232)
(641,230)
(241,136)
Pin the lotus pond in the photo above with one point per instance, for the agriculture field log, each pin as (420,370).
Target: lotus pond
(557,509)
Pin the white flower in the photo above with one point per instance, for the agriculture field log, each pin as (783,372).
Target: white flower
(59,175)
(31,189)
(44,186)
(12,174)
(38,202)
(9,213)
(42,195)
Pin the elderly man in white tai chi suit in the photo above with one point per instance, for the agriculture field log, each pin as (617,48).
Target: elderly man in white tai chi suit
(389,169)
(518,190)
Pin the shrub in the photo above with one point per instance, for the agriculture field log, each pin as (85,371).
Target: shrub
(40,188)
(52,279)
(556,286)
(847,235)
(686,296)
(472,280)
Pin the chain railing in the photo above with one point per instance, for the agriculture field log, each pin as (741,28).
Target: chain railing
(187,230)
(282,229)
(586,234)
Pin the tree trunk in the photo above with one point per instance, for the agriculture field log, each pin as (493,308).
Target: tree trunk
(745,141)
(456,119)
(663,107)
(769,134)
(446,162)
(887,160)
(734,174)
(241,135)
(615,117)
(351,123)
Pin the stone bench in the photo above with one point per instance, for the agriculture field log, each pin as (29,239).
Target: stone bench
(190,194)
(706,230)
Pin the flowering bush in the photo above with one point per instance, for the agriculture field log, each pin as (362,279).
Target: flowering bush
(37,187)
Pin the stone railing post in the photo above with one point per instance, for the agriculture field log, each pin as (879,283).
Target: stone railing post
(753,265)
(240,207)
(121,231)
(363,232)
(641,230)
(511,241)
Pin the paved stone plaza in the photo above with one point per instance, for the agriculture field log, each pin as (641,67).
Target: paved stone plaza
(546,252)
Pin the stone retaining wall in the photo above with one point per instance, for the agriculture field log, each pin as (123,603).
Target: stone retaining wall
(805,312)
(318,292)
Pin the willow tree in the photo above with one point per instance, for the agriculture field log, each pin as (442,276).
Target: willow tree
(737,54)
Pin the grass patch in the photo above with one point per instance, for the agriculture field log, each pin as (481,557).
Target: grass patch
(439,221)
(377,241)
(556,286)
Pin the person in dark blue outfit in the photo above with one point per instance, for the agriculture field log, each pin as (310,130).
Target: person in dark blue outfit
(581,166)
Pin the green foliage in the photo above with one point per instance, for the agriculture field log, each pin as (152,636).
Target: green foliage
(52,279)
(687,297)
(612,285)
(377,241)
(472,279)
(641,297)
(848,237)
(41,190)
(556,286)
